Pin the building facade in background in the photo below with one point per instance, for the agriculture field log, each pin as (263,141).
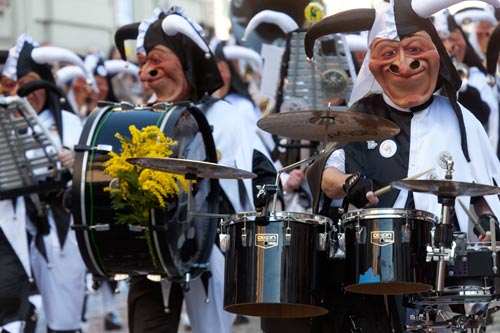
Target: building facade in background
(83,25)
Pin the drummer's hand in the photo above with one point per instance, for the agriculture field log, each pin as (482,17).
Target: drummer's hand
(372,199)
(484,222)
(357,188)
(67,157)
(485,238)
(295,178)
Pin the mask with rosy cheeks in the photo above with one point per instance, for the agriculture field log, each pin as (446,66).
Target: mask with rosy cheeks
(406,70)
(162,71)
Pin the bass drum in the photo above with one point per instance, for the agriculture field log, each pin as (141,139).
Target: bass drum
(179,245)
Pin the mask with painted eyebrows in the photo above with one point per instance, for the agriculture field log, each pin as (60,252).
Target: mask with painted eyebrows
(407,70)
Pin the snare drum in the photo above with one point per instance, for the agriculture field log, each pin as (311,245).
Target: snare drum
(181,246)
(386,251)
(272,263)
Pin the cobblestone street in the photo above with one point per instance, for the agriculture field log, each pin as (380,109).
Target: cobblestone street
(95,317)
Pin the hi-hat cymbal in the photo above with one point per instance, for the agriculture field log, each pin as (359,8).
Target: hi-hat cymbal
(191,168)
(446,188)
(328,125)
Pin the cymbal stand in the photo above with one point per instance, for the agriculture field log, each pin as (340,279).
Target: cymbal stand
(442,250)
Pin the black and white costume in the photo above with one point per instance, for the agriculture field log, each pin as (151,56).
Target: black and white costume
(54,255)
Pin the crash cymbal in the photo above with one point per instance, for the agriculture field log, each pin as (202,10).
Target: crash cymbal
(190,168)
(328,125)
(446,188)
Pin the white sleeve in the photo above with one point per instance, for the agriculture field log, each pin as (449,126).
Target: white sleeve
(336,160)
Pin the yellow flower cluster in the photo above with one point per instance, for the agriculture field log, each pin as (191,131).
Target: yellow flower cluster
(137,188)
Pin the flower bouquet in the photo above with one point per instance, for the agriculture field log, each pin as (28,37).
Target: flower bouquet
(136,191)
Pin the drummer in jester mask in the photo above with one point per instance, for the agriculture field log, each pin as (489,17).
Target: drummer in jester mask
(408,78)
(177,65)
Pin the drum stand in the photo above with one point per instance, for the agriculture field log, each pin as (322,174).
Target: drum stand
(442,250)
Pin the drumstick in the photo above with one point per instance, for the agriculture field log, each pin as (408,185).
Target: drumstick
(472,218)
(387,188)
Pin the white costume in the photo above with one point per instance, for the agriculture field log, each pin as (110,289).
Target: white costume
(60,278)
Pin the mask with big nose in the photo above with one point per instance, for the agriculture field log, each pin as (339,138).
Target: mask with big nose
(415,64)
(404,65)
(406,70)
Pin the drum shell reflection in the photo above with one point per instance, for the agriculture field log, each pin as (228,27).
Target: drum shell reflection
(386,251)
(272,264)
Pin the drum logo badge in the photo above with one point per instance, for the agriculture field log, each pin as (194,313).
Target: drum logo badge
(266,241)
(382,238)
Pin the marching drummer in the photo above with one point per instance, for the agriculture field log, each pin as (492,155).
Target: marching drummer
(176,63)
(405,68)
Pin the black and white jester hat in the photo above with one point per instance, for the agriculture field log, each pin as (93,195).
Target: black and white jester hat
(227,53)
(94,63)
(471,57)
(282,21)
(394,19)
(470,17)
(27,56)
(185,38)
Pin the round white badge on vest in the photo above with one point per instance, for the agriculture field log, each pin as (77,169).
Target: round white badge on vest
(388,148)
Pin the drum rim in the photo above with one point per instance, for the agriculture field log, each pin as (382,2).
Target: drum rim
(386,213)
(300,217)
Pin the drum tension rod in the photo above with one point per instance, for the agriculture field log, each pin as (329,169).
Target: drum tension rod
(96,227)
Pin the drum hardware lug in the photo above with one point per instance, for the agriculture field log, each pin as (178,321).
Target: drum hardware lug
(288,236)
(96,227)
(186,281)
(322,242)
(126,106)
(335,250)
(100,148)
(224,242)
(341,242)
(162,106)
(406,233)
(360,234)
(244,235)
(137,228)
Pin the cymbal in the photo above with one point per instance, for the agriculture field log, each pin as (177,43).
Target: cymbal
(328,125)
(191,168)
(446,188)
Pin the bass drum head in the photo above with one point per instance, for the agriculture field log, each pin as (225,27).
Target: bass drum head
(173,245)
